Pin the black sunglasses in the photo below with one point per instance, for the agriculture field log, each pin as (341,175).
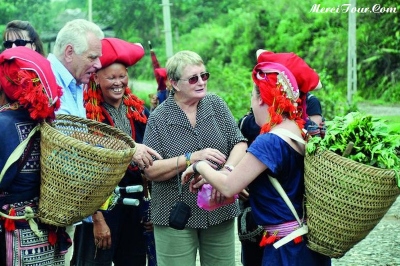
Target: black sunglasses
(18,42)
(194,79)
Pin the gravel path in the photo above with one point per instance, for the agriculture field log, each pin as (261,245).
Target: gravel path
(379,110)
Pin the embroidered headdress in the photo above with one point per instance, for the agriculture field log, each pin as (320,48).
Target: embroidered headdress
(26,77)
(279,90)
(115,51)
(307,79)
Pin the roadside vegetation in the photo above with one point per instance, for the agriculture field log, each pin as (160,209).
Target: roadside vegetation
(227,34)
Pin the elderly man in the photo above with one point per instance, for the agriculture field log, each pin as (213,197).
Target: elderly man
(75,57)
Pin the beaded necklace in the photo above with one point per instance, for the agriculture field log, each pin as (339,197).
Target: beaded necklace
(10,106)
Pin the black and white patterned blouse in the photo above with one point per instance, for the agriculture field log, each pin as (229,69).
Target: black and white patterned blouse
(170,133)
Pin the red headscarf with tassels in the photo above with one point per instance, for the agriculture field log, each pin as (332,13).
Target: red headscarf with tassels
(279,90)
(307,79)
(26,77)
(115,51)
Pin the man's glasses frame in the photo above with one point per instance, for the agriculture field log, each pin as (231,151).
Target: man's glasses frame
(18,42)
(194,79)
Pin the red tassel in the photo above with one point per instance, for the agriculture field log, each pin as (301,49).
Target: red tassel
(271,239)
(52,237)
(9,224)
(268,240)
(263,241)
(298,240)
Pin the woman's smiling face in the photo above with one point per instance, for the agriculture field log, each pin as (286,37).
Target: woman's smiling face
(113,81)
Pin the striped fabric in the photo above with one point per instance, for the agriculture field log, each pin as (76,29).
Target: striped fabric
(281,229)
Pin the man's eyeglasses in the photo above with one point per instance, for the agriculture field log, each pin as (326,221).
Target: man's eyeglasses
(18,42)
(194,79)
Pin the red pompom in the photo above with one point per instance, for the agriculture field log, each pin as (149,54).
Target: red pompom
(298,240)
(52,237)
(9,224)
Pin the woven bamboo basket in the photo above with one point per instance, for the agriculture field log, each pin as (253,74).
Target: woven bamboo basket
(345,200)
(81,163)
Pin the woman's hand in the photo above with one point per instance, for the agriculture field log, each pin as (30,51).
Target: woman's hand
(187,174)
(197,181)
(244,195)
(216,196)
(208,154)
(148,226)
(101,233)
(143,156)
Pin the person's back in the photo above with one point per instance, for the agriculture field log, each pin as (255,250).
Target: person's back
(247,229)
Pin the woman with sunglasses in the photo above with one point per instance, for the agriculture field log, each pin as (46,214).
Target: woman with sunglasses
(22,33)
(191,125)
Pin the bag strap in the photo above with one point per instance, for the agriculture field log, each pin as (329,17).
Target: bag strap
(241,122)
(17,153)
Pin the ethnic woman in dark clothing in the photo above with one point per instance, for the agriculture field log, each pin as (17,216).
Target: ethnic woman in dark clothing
(31,95)
(249,233)
(116,236)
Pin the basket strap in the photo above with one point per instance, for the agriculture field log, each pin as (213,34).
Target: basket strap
(17,153)
(302,230)
(296,233)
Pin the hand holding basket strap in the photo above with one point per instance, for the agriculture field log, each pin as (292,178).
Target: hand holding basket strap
(17,153)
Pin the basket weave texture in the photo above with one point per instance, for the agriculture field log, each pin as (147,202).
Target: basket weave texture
(81,163)
(345,200)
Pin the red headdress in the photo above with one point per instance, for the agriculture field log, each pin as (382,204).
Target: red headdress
(115,51)
(279,90)
(159,73)
(26,77)
(306,77)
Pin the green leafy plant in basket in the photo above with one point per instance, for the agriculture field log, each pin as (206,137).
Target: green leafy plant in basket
(362,138)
